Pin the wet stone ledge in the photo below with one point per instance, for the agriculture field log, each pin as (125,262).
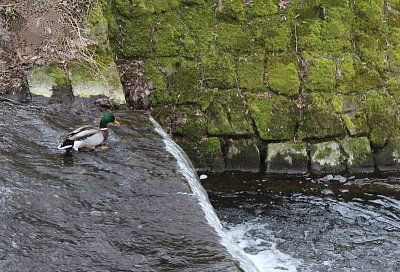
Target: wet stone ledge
(349,155)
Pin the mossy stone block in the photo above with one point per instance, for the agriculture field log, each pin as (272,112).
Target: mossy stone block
(393,18)
(184,121)
(276,33)
(159,93)
(98,27)
(181,77)
(261,8)
(287,158)
(231,10)
(393,86)
(199,34)
(226,112)
(354,115)
(309,36)
(318,119)
(395,4)
(242,155)
(205,155)
(218,70)
(336,31)
(138,36)
(321,75)
(326,158)
(166,40)
(358,155)
(394,48)
(355,76)
(42,79)
(235,38)
(283,75)
(368,15)
(250,70)
(88,81)
(185,82)
(388,159)
(274,116)
(381,112)
(372,49)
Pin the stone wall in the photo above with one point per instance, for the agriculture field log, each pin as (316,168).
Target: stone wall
(306,85)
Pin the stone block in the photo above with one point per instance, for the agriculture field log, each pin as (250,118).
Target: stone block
(327,157)
(358,155)
(242,155)
(287,158)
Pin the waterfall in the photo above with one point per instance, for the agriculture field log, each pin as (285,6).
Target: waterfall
(187,169)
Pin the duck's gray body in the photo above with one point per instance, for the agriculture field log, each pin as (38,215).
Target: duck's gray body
(85,137)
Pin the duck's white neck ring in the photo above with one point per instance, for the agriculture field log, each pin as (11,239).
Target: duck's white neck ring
(104,128)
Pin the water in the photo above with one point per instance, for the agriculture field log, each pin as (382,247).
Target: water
(333,223)
(186,168)
(129,208)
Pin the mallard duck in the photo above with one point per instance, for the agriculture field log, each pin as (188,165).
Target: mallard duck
(89,137)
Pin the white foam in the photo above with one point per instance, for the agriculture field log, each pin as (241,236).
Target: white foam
(259,243)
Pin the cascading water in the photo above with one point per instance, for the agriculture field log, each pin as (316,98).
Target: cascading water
(186,168)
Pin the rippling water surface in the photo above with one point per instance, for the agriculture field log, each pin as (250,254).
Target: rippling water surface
(125,209)
(333,223)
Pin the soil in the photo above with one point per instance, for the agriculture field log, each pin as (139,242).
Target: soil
(35,32)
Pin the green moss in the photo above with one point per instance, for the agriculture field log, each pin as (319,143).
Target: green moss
(275,116)
(395,4)
(166,43)
(357,153)
(159,93)
(261,8)
(164,5)
(231,10)
(324,29)
(226,113)
(394,48)
(199,34)
(355,76)
(354,116)
(393,87)
(381,112)
(217,70)
(393,18)
(45,79)
(309,36)
(235,38)
(372,49)
(274,33)
(182,79)
(250,70)
(205,155)
(368,15)
(318,119)
(184,121)
(337,103)
(282,75)
(335,32)
(326,157)
(321,75)
(137,36)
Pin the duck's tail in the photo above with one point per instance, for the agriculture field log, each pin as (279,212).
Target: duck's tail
(66,144)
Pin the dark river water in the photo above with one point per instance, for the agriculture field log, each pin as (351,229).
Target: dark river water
(333,223)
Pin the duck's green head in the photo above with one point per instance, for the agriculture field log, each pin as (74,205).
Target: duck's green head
(108,118)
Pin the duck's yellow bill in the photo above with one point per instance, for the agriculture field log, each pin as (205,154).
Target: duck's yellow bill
(116,122)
